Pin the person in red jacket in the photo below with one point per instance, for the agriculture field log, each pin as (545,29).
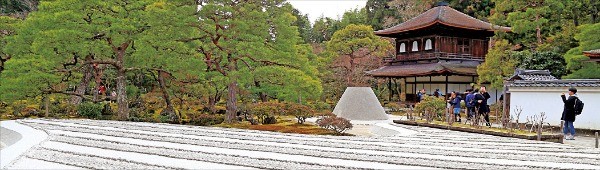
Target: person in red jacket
(102,90)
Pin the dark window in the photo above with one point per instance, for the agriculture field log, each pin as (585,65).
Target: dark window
(464,45)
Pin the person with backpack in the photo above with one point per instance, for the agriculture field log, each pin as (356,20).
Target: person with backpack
(573,107)
(469,102)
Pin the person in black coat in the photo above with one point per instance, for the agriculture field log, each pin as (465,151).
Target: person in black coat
(568,114)
(482,98)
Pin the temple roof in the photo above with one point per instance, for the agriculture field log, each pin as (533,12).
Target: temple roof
(522,74)
(409,70)
(442,15)
(543,78)
(592,53)
(556,83)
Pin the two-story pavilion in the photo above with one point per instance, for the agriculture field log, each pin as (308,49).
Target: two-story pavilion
(439,49)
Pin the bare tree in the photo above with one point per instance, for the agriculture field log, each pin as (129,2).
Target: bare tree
(518,111)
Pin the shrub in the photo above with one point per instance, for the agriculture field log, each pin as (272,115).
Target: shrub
(90,110)
(206,119)
(337,124)
(431,106)
(63,109)
(30,111)
(394,106)
(301,112)
(269,120)
(267,110)
(321,106)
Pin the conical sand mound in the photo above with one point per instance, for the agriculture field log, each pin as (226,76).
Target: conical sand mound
(359,103)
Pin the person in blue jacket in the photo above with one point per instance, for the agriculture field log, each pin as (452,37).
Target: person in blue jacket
(470,103)
(455,102)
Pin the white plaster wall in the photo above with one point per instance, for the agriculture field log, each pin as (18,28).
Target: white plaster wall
(536,100)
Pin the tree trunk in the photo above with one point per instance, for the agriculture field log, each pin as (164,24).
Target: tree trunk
(575,17)
(98,78)
(212,101)
(84,83)
(350,72)
(231,94)
(231,102)
(263,96)
(47,105)
(2,61)
(163,87)
(538,31)
(122,103)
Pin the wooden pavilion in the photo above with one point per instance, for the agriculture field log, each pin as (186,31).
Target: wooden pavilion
(594,55)
(439,49)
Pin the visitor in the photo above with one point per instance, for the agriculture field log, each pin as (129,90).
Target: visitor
(568,114)
(484,109)
(420,95)
(102,90)
(470,103)
(455,102)
(436,93)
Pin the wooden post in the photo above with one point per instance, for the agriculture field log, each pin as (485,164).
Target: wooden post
(409,116)
(391,92)
(446,92)
(596,139)
(562,126)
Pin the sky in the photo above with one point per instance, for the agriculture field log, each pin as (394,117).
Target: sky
(327,8)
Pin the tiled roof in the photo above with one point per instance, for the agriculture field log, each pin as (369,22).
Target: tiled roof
(521,74)
(409,70)
(592,53)
(443,15)
(556,83)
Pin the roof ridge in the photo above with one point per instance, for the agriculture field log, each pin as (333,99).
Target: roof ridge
(476,19)
(440,13)
(413,18)
(444,15)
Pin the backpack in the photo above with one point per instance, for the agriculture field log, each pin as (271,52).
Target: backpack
(469,100)
(578,106)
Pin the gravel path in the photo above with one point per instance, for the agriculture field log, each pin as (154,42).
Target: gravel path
(134,145)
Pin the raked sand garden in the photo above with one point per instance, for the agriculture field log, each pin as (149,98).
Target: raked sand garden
(92,144)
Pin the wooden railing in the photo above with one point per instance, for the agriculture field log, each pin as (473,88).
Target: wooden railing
(431,55)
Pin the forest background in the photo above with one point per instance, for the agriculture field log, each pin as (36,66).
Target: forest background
(178,60)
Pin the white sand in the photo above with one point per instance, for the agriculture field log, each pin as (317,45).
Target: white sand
(390,147)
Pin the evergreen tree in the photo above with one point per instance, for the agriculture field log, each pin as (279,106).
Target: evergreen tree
(303,24)
(356,42)
(99,33)
(498,65)
(536,60)
(531,20)
(589,39)
(17,8)
(7,28)
(241,38)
